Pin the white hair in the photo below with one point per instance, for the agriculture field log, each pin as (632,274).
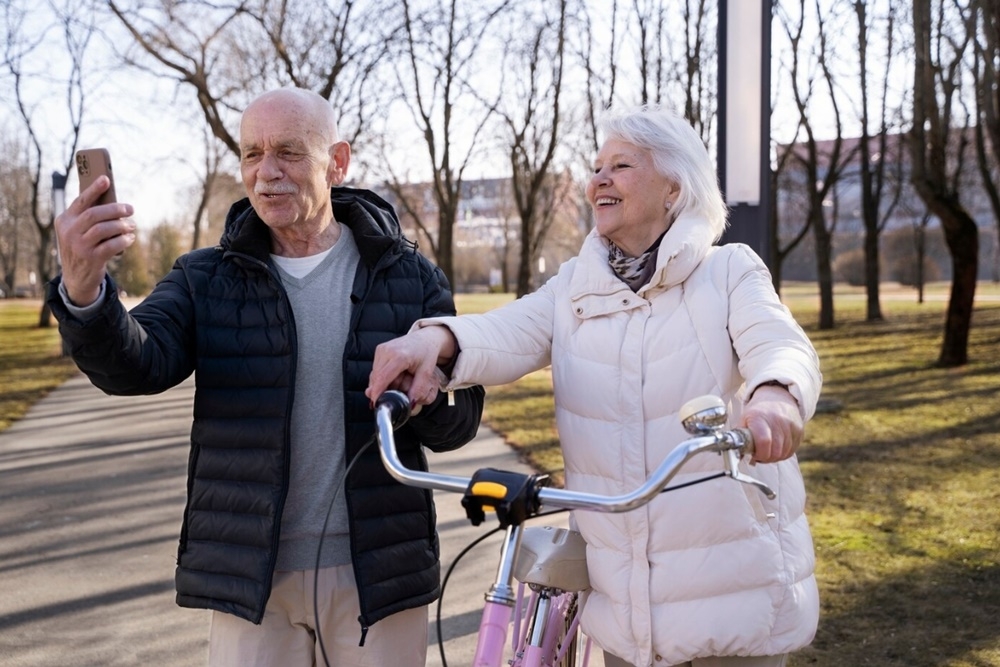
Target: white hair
(678,153)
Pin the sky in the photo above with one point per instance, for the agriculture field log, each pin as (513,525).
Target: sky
(156,151)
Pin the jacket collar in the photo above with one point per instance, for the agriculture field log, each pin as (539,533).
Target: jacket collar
(683,247)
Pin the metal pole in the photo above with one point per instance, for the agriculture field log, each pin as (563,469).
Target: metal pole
(749,221)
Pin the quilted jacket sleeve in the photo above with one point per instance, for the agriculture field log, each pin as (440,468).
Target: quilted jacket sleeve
(769,342)
(145,351)
(504,344)
(441,426)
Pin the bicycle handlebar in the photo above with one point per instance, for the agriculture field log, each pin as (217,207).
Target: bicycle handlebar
(706,419)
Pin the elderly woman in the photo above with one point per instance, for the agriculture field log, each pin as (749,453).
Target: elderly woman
(649,315)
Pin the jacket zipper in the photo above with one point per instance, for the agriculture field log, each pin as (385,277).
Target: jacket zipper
(286,463)
(381,265)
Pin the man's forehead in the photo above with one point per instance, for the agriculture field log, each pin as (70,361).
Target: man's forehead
(272,140)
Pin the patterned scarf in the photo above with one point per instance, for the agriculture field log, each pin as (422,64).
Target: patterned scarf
(634,271)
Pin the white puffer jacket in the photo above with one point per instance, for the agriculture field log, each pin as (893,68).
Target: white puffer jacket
(712,570)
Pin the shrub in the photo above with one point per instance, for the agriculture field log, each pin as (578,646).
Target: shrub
(849,267)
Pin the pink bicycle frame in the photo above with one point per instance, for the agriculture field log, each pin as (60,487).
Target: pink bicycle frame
(492,635)
(499,603)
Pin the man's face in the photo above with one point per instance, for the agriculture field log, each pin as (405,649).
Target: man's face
(288,160)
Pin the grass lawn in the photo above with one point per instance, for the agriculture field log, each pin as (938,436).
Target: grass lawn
(31,364)
(903,470)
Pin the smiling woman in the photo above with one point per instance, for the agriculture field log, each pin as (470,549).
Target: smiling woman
(649,315)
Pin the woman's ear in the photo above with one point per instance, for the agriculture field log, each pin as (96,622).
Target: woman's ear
(673,192)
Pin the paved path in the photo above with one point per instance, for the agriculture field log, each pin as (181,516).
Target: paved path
(91,494)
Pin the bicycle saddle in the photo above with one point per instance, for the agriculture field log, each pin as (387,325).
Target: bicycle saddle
(552,557)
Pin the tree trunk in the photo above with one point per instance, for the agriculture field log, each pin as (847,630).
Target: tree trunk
(445,244)
(824,270)
(46,270)
(962,236)
(934,87)
(921,242)
(524,262)
(872,279)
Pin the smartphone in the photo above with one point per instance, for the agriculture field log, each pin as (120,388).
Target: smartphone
(91,163)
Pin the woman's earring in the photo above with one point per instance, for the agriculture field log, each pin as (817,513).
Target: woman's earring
(669,205)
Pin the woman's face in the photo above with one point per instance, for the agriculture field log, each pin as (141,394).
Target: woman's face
(629,197)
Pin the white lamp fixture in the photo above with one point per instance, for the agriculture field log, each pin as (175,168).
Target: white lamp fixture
(58,193)
(743,102)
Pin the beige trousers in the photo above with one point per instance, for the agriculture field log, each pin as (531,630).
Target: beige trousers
(763,661)
(287,636)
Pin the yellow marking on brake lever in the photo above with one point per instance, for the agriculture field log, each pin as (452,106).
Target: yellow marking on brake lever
(489,490)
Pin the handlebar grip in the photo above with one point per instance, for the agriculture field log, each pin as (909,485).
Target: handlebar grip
(398,404)
(747,447)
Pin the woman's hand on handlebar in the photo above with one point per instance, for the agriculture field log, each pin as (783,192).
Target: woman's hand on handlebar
(773,417)
(410,364)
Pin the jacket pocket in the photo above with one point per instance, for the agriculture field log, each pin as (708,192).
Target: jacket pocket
(192,465)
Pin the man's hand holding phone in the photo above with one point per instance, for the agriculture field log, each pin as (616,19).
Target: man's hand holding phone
(90,233)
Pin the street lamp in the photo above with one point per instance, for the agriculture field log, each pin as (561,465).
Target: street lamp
(58,193)
(58,206)
(744,121)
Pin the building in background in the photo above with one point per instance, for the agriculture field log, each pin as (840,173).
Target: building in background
(908,230)
(488,229)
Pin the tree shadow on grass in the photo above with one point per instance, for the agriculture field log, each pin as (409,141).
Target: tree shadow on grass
(899,586)
(931,616)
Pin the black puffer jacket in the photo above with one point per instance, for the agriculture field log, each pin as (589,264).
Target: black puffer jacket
(223,314)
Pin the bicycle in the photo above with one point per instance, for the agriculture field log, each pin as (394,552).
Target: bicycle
(550,561)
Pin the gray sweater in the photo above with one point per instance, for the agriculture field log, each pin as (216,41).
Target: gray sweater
(321,305)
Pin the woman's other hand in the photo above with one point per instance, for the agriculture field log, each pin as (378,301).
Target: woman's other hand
(773,417)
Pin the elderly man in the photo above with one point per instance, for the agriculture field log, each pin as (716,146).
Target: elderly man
(293,533)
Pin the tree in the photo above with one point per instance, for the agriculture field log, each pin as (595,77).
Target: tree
(164,247)
(674,49)
(131,269)
(821,166)
(437,57)
(226,189)
(16,238)
(987,86)
(874,157)
(937,150)
(187,42)
(208,176)
(698,81)
(600,73)
(783,182)
(532,118)
(649,15)
(26,60)
(223,55)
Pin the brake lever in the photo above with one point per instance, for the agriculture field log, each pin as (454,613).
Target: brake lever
(731,463)
(706,415)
